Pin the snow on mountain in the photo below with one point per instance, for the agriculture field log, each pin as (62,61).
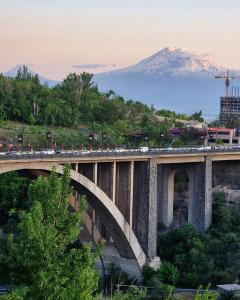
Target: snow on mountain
(173,61)
(171,79)
(43,80)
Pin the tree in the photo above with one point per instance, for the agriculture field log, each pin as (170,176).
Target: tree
(45,255)
(86,80)
(13,195)
(18,294)
(198,116)
(177,143)
(219,142)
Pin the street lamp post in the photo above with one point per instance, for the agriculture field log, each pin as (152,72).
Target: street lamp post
(90,139)
(104,137)
(161,139)
(49,137)
(146,139)
(20,141)
(1,144)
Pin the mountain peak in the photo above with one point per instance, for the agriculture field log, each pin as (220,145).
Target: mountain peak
(13,73)
(170,49)
(174,61)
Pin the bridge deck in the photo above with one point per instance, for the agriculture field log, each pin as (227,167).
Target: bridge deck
(162,156)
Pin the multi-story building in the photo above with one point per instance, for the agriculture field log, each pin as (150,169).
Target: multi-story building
(229,109)
(227,136)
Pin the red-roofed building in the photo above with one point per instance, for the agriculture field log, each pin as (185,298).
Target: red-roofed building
(226,135)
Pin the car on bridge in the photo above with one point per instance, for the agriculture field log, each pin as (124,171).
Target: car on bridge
(13,152)
(144,149)
(48,151)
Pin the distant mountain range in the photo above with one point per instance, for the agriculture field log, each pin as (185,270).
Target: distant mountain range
(171,78)
(43,80)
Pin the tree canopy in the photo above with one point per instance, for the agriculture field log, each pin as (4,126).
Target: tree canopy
(45,254)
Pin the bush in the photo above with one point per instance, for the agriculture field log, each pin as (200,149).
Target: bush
(133,293)
(18,294)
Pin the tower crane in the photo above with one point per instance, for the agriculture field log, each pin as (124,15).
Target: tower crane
(227,78)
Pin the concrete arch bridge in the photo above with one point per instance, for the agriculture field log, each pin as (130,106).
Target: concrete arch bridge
(130,193)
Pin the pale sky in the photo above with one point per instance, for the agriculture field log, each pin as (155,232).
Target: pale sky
(54,35)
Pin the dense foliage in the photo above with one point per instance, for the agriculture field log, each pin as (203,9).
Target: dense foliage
(77,103)
(45,254)
(75,100)
(176,116)
(203,258)
(13,195)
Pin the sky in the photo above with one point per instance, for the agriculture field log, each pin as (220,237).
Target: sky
(55,37)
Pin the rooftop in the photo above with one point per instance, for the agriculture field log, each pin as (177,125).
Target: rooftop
(218,129)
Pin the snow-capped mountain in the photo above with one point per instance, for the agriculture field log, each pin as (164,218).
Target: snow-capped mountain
(173,61)
(43,80)
(171,79)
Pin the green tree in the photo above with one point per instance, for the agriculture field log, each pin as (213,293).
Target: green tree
(44,255)
(177,143)
(219,142)
(197,116)
(18,294)
(13,194)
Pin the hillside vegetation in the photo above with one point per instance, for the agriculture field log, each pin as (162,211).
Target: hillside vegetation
(30,108)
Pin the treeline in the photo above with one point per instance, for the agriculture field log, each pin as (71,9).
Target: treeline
(74,101)
(178,116)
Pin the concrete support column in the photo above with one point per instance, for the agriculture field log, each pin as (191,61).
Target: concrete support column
(191,195)
(76,167)
(95,176)
(208,193)
(95,172)
(202,211)
(167,191)
(131,181)
(114,181)
(152,210)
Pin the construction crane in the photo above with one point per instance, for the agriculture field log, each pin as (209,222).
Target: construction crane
(227,78)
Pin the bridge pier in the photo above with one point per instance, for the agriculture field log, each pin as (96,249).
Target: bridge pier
(208,193)
(145,206)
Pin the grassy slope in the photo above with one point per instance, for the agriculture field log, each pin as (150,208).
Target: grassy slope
(36,135)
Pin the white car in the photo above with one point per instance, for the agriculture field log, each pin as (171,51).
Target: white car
(168,149)
(84,152)
(48,151)
(204,148)
(120,150)
(144,149)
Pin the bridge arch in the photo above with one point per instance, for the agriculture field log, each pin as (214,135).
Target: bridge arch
(118,225)
(169,189)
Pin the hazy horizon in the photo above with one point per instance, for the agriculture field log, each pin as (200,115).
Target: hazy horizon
(58,37)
